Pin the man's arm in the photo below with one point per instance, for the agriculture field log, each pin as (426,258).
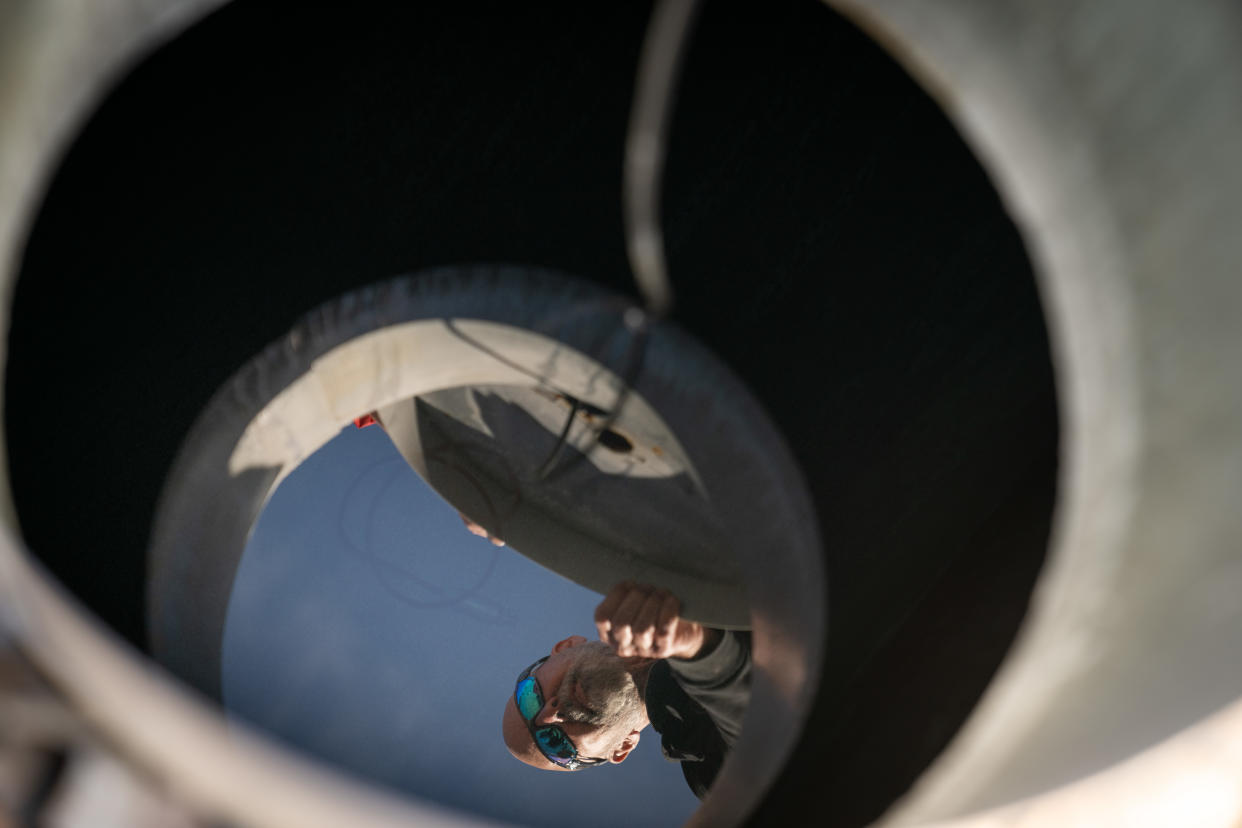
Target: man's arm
(713,666)
(719,681)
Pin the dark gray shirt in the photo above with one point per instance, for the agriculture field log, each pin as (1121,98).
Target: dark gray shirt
(697,707)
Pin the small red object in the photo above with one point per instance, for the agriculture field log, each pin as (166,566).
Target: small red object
(366,420)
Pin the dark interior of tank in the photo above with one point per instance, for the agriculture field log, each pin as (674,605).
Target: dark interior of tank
(829,235)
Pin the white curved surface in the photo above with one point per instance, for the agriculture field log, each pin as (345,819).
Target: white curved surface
(592,526)
(1113,133)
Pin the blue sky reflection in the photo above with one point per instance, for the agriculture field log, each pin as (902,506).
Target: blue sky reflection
(368,628)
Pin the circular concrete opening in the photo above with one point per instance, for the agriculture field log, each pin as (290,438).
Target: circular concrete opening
(829,236)
(461,366)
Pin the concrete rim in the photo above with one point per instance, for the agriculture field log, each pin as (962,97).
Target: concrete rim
(1086,114)
(1112,132)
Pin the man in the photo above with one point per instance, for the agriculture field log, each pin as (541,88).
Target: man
(586,703)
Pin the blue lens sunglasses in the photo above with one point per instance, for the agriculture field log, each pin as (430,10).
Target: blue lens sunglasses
(550,739)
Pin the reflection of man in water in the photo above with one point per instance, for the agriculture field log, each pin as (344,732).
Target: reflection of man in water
(587,702)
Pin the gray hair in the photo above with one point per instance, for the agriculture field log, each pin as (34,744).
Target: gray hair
(608,689)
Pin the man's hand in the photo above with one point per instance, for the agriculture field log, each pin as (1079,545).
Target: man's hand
(642,621)
(475,529)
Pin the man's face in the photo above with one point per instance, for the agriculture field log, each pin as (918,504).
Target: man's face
(588,693)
